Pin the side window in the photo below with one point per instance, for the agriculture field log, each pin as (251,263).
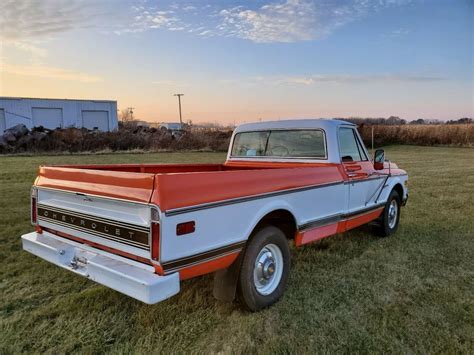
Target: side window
(300,143)
(250,144)
(348,146)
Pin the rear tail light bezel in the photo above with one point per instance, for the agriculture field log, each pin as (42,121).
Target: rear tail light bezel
(155,234)
(34,207)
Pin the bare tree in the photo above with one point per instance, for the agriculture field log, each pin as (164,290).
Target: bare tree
(126,115)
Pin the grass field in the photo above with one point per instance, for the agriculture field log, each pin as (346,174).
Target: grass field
(412,292)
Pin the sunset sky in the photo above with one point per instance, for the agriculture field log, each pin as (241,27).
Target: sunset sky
(238,61)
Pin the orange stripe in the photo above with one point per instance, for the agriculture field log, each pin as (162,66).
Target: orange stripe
(208,267)
(315,234)
(362,219)
(318,233)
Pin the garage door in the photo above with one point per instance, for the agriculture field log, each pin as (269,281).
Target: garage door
(95,120)
(50,118)
(3,124)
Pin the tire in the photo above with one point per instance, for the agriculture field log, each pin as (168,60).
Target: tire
(388,223)
(262,283)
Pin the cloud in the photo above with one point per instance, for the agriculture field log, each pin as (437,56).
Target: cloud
(189,8)
(400,32)
(274,21)
(314,79)
(35,51)
(291,21)
(28,24)
(48,72)
(296,20)
(20,19)
(147,18)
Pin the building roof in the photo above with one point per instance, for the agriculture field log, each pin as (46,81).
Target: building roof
(53,99)
(288,124)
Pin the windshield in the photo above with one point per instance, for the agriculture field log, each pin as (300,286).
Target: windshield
(281,144)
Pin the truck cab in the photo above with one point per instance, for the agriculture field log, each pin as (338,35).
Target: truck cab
(142,229)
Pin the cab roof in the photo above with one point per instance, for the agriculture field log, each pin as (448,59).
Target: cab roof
(330,128)
(325,124)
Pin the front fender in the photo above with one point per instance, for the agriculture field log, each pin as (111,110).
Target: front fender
(393,181)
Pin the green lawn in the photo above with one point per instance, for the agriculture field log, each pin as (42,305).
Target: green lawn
(412,292)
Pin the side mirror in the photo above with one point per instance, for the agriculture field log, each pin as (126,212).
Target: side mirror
(379,159)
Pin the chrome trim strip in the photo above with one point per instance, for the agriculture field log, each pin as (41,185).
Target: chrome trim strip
(187,261)
(349,182)
(95,196)
(231,201)
(96,218)
(95,233)
(362,211)
(341,217)
(170,271)
(321,222)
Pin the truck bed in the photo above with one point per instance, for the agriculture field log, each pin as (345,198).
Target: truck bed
(172,186)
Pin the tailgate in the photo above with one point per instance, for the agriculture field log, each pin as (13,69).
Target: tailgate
(103,207)
(123,185)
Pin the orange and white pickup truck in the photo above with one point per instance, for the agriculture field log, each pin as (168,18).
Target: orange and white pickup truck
(141,229)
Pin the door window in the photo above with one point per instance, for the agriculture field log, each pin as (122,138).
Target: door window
(348,147)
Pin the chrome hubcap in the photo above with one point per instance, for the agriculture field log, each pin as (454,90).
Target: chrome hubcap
(392,214)
(268,269)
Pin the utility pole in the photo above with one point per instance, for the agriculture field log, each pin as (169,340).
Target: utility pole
(179,102)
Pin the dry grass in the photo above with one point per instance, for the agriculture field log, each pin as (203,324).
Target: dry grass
(452,135)
(410,293)
(75,140)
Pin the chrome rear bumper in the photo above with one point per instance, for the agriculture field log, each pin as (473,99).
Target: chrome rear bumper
(126,276)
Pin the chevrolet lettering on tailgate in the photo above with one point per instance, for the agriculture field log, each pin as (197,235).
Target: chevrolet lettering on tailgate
(128,234)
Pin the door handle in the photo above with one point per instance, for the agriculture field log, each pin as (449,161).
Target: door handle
(351,175)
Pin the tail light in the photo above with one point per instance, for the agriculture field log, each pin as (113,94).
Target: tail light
(155,234)
(186,228)
(34,213)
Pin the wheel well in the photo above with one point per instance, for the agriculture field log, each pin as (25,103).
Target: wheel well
(399,189)
(282,219)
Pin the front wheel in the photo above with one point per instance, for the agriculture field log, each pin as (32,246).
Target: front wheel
(390,216)
(265,269)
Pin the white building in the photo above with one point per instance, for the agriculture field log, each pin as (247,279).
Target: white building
(54,113)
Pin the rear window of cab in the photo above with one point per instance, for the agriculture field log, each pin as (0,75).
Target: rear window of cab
(301,143)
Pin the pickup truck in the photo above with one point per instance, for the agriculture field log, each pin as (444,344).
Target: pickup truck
(141,229)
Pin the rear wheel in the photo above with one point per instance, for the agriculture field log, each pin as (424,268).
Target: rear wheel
(388,222)
(265,269)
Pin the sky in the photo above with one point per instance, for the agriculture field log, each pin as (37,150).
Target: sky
(240,61)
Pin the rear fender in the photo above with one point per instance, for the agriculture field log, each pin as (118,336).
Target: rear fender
(225,281)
